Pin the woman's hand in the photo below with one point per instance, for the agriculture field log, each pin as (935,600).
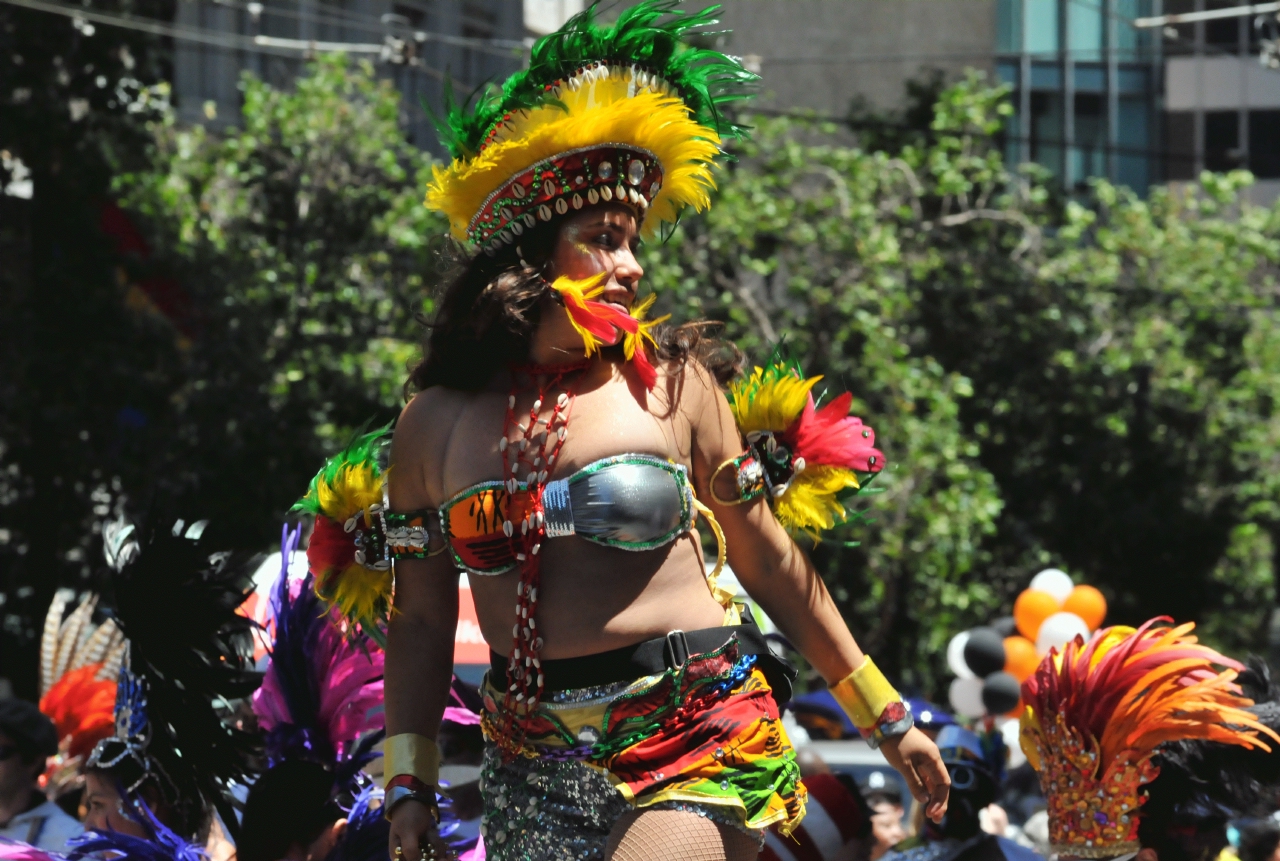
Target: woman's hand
(413,834)
(917,758)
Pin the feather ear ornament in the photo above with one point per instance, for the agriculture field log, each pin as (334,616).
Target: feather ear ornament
(601,324)
(806,460)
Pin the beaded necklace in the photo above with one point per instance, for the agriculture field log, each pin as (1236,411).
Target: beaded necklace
(526,456)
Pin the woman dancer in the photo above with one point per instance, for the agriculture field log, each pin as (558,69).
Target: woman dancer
(559,447)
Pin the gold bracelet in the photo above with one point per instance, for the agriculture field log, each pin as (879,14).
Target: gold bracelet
(875,708)
(412,754)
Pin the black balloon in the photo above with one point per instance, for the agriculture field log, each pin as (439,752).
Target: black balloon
(1005,626)
(1000,692)
(984,653)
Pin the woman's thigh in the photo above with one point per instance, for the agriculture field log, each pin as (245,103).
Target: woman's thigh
(677,835)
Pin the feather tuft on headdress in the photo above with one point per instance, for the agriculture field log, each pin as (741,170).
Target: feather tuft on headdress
(190,652)
(1096,713)
(322,691)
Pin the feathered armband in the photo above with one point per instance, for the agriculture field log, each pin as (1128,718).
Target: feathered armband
(356,538)
(807,461)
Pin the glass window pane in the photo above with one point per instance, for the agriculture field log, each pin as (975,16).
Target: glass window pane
(1131,43)
(1041,26)
(1009,26)
(1221,140)
(1133,144)
(1084,27)
(1264,144)
(1046,131)
(1180,137)
(1089,150)
(1223,34)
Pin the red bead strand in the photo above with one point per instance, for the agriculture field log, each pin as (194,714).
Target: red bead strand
(533,461)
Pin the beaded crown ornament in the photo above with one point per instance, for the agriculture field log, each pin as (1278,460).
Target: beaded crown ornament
(1097,712)
(628,113)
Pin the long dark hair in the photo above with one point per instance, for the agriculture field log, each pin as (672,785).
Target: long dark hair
(492,307)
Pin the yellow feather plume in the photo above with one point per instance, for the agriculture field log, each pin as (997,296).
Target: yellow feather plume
(769,403)
(594,113)
(358,592)
(810,503)
(353,489)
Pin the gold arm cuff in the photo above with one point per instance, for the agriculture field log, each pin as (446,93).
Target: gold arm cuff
(413,754)
(864,694)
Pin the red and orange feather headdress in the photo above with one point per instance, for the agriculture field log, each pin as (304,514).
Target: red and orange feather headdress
(1097,712)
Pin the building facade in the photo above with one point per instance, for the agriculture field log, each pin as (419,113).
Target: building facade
(416,43)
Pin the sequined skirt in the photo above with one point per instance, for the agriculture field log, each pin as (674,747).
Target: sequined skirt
(705,737)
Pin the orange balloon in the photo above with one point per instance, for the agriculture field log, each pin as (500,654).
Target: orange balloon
(1032,608)
(1020,658)
(1087,603)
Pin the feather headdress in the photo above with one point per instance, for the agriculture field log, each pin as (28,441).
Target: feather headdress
(1097,713)
(806,459)
(189,653)
(322,691)
(164,844)
(629,112)
(79,662)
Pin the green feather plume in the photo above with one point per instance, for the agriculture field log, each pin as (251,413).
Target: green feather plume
(650,34)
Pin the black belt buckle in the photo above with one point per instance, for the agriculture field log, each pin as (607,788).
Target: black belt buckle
(675,651)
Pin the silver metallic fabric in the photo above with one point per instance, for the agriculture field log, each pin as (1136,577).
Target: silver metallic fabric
(624,502)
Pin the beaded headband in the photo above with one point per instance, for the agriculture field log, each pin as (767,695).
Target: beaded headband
(628,113)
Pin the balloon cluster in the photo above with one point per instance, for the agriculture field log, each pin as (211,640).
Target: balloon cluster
(991,662)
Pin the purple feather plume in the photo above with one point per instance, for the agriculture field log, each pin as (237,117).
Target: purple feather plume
(323,689)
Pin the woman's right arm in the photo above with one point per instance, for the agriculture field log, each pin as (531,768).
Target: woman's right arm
(419,660)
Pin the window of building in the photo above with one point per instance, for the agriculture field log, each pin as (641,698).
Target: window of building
(1088,157)
(1221,140)
(1223,34)
(1084,30)
(1130,41)
(1264,144)
(1180,144)
(1040,27)
(1133,143)
(1009,26)
(1179,38)
(1046,131)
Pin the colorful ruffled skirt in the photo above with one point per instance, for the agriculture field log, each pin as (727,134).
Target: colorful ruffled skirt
(705,737)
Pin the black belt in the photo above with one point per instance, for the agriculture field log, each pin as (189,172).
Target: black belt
(657,655)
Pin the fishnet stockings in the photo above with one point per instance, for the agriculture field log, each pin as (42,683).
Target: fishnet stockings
(676,835)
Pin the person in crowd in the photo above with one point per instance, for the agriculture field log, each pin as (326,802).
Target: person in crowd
(1260,841)
(975,764)
(887,812)
(560,446)
(27,739)
(169,765)
(1148,742)
(79,662)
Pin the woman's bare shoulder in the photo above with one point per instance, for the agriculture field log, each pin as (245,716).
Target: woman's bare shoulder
(422,436)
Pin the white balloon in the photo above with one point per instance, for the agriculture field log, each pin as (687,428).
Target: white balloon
(966,697)
(1058,630)
(955,656)
(1056,583)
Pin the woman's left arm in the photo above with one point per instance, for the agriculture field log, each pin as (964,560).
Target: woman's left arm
(779,575)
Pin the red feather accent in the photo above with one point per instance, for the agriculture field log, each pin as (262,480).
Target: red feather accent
(330,551)
(82,708)
(601,320)
(832,437)
(648,373)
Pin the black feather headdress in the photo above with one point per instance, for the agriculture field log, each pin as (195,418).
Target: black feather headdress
(190,657)
(1203,784)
